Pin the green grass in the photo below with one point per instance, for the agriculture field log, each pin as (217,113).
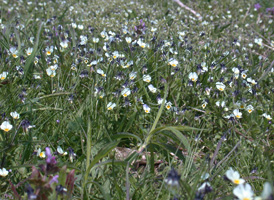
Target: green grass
(124,152)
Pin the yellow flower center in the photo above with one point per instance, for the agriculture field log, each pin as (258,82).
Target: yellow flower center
(103,75)
(41,154)
(114,57)
(2,78)
(236,181)
(221,89)
(14,55)
(52,75)
(125,95)
(238,116)
(143,46)
(146,111)
(246,198)
(6,129)
(249,110)
(48,52)
(193,79)
(109,108)
(173,65)
(29,53)
(168,107)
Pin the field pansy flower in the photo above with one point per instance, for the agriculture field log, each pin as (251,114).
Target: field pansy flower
(268,117)
(168,105)
(128,40)
(29,51)
(132,75)
(6,126)
(249,108)
(243,192)
(4,172)
(14,52)
(3,75)
(84,40)
(111,105)
(64,44)
(147,78)
(115,54)
(125,92)
(220,86)
(259,41)
(234,176)
(146,108)
(15,115)
(173,62)
(61,152)
(40,153)
(49,50)
(193,76)
(204,104)
(51,72)
(152,88)
(101,72)
(141,43)
(237,113)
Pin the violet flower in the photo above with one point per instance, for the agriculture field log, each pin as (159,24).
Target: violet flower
(54,179)
(50,159)
(257,6)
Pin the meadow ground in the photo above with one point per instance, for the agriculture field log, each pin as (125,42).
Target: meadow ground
(136,100)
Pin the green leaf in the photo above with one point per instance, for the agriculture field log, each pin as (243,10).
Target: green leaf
(101,154)
(102,190)
(126,135)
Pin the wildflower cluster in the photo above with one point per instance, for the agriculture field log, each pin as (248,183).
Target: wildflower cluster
(87,77)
